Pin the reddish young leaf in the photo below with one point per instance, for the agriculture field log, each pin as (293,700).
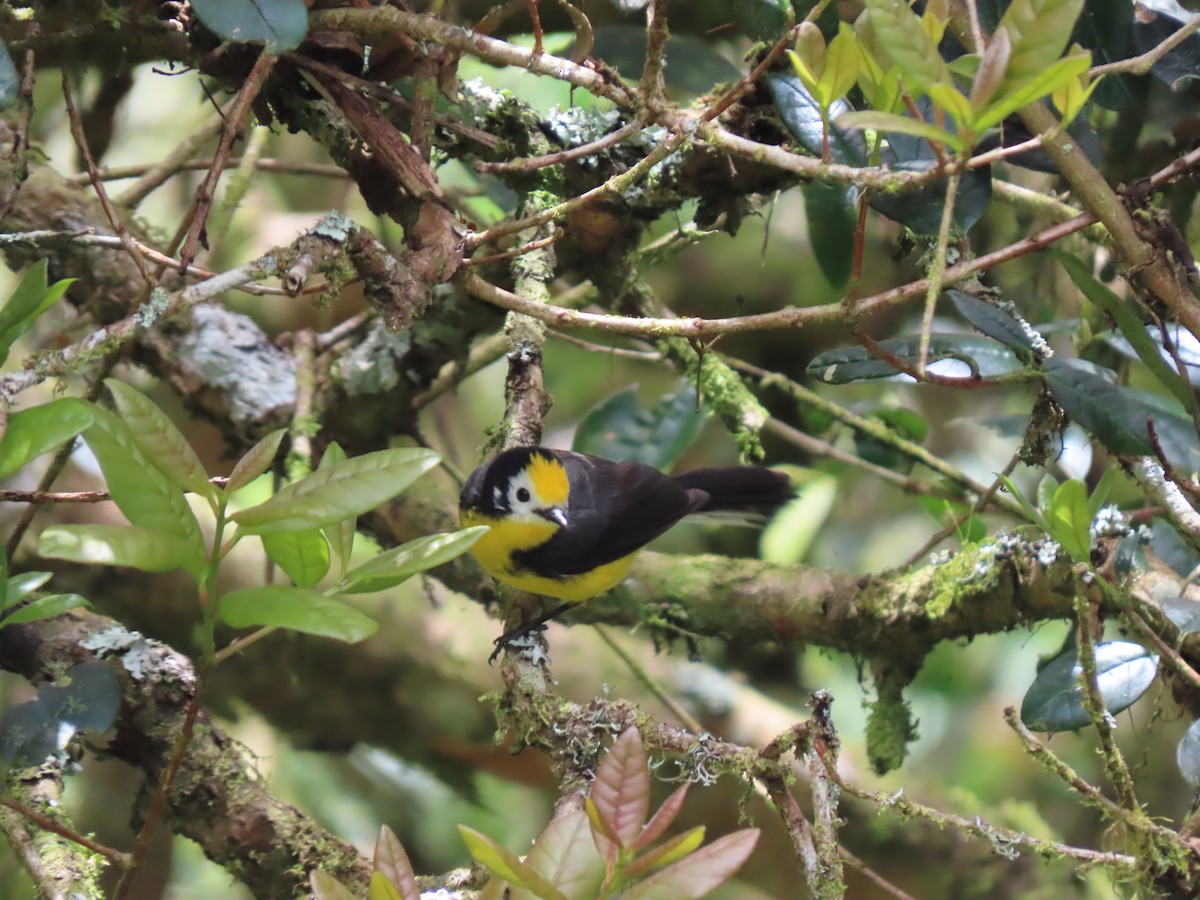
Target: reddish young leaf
(621,790)
(699,873)
(662,819)
(393,863)
(326,887)
(603,835)
(565,854)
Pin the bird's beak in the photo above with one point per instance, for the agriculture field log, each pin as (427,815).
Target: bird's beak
(555,515)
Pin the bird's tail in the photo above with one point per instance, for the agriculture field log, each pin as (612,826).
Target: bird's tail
(748,489)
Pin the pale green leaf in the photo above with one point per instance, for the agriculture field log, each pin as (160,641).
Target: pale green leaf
(338,491)
(884,121)
(391,861)
(1038,31)
(118,545)
(340,534)
(303,555)
(902,36)
(664,854)
(159,439)
(1070,521)
(44,608)
(297,609)
(326,887)
(507,865)
(31,298)
(1013,97)
(701,872)
(397,565)
(382,889)
(841,65)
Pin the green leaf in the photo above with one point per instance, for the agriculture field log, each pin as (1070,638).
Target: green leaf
(992,321)
(46,607)
(88,701)
(1031,514)
(506,865)
(1045,492)
(158,438)
(1054,702)
(39,429)
(665,853)
(144,494)
(340,534)
(899,32)
(832,242)
(1128,319)
(1120,417)
(662,819)
(338,491)
(761,20)
(701,872)
(989,74)
(281,25)
(118,545)
(256,461)
(1017,96)
(1038,31)
(392,862)
(789,535)
(950,99)
(621,427)
(32,297)
(297,609)
(401,563)
(10,81)
(892,122)
(841,65)
(303,555)
(1069,520)
(16,588)
(621,788)
(848,364)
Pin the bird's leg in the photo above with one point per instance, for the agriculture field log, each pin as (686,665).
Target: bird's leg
(526,628)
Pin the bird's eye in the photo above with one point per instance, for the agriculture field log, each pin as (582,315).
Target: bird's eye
(522,495)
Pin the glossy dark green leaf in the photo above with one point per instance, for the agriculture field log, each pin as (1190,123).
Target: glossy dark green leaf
(762,20)
(280,25)
(992,321)
(1130,556)
(1183,613)
(832,220)
(296,609)
(1181,340)
(1187,755)
(88,701)
(15,588)
(1106,28)
(1120,417)
(692,66)
(10,81)
(622,427)
(921,209)
(801,115)
(847,364)
(1054,702)
(1156,23)
(401,563)
(39,429)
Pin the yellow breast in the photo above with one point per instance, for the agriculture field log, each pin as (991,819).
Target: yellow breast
(505,536)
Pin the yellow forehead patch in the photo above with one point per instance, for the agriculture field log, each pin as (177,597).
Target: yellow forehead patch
(549,479)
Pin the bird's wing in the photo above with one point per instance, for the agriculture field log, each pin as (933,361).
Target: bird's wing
(614,509)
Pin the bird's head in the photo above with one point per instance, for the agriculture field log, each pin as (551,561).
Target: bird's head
(526,484)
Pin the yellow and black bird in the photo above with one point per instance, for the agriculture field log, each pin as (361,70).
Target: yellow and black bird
(567,525)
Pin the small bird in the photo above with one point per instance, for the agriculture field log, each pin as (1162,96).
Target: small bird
(567,525)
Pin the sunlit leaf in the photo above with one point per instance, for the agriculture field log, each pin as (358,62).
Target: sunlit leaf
(397,565)
(1039,31)
(666,853)
(900,33)
(1054,702)
(303,555)
(297,609)
(565,854)
(31,432)
(118,545)
(32,297)
(18,586)
(337,491)
(392,861)
(382,889)
(326,887)
(506,865)
(158,438)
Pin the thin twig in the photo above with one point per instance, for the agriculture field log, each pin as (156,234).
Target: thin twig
(532,163)
(1140,65)
(116,857)
(685,718)
(937,272)
(156,175)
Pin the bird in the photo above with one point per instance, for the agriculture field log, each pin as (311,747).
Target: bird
(567,525)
